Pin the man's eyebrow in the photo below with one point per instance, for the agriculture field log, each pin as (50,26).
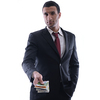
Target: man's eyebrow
(51,12)
(45,13)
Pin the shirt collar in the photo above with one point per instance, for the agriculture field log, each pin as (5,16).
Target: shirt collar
(50,31)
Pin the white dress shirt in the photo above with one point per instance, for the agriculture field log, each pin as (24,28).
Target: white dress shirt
(61,38)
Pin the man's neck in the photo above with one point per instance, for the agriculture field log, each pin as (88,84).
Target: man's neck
(54,29)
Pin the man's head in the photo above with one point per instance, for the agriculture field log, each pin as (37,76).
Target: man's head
(51,13)
(52,3)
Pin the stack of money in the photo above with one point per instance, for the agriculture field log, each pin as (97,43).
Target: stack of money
(42,88)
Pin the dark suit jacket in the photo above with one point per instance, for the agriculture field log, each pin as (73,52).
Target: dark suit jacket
(41,55)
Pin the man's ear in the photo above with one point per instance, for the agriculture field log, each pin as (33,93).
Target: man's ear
(59,14)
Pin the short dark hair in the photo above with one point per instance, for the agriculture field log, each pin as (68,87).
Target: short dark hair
(52,3)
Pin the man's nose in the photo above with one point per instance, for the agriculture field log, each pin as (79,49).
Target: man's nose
(49,17)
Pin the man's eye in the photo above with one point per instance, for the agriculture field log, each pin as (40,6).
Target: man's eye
(45,14)
(52,13)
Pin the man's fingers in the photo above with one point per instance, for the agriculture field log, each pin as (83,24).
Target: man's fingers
(35,81)
(37,78)
(40,80)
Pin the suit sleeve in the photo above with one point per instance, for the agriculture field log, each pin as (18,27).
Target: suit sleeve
(74,66)
(29,60)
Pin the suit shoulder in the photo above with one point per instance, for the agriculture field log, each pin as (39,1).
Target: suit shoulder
(35,35)
(37,32)
(69,33)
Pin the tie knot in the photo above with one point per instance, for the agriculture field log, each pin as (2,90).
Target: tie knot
(55,34)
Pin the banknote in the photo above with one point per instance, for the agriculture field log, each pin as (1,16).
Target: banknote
(42,88)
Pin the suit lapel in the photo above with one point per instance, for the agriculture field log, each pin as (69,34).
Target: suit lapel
(66,43)
(49,39)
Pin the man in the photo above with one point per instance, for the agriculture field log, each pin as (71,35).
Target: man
(52,58)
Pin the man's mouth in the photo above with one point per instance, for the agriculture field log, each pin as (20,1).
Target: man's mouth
(50,22)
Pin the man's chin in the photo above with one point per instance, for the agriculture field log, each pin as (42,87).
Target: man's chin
(50,26)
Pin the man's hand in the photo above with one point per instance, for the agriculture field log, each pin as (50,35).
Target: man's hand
(37,77)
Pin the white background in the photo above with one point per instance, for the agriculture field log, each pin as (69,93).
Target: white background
(20,17)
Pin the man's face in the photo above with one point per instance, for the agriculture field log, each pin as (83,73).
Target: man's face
(51,16)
